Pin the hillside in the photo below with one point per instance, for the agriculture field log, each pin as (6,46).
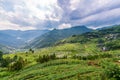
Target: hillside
(9,40)
(102,36)
(17,38)
(5,49)
(80,57)
(50,38)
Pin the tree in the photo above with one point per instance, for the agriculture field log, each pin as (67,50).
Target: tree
(31,51)
(1,58)
(15,58)
(17,65)
(113,71)
(5,62)
(1,54)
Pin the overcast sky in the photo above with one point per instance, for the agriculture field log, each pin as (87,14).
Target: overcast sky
(49,14)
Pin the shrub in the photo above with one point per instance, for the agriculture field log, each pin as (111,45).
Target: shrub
(106,55)
(5,62)
(92,56)
(113,45)
(113,71)
(15,58)
(31,50)
(46,58)
(43,59)
(1,58)
(1,54)
(52,56)
(17,65)
(64,57)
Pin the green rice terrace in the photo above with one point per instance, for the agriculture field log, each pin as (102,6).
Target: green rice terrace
(90,56)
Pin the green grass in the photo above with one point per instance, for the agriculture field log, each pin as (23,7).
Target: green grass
(70,68)
(55,70)
(61,69)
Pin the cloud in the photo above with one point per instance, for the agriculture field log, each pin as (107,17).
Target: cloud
(64,25)
(8,25)
(47,14)
(93,13)
(104,18)
(29,13)
(91,7)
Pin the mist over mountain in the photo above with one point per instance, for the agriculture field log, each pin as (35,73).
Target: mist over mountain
(49,39)
(40,38)
(17,38)
(6,49)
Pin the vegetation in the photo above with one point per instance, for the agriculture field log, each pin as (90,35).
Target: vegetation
(17,64)
(13,64)
(50,38)
(90,56)
(113,71)
(112,45)
(46,58)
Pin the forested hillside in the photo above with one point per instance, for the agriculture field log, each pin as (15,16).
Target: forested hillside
(92,55)
(50,38)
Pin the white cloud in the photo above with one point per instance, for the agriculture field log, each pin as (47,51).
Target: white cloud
(74,4)
(104,18)
(42,9)
(47,14)
(7,25)
(64,25)
(30,13)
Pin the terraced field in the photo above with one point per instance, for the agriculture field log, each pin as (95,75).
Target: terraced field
(57,70)
(69,68)
(90,56)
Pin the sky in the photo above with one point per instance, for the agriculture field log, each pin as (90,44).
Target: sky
(60,14)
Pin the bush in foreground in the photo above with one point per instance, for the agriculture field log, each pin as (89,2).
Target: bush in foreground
(113,71)
(46,58)
(17,65)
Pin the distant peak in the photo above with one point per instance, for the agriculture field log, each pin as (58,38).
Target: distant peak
(81,26)
(54,29)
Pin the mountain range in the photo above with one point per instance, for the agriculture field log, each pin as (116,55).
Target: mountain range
(5,49)
(37,38)
(42,38)
(104,34)
(17,38)
(50,38)
(79,56)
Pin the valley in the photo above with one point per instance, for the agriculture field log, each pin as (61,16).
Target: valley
(93,55)
(17,39)
(59,39)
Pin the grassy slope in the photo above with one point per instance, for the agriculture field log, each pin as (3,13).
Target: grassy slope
(59,69)
(51,37)
(62,69)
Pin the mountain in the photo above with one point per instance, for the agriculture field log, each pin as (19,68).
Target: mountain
(107,27)
(25,35)
(78,57)
(5,49)
(107,39)
(7,39)
(48,39)
(17,38)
